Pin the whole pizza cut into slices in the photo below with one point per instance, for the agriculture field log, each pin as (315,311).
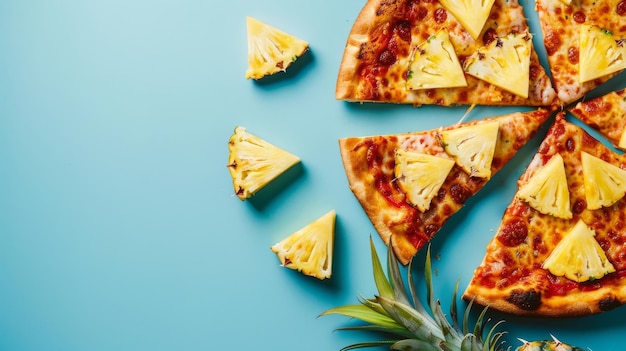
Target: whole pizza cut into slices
(585,43)
(410,184)
(606,114)
(444,52)
(560,250)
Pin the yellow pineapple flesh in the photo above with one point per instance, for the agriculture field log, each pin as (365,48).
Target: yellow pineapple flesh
(601,53)
(604,183)
(547,190)
(310,249)
(435,65)
(578,256)
(505,63)
(270,50)
(472,14)
(420,176)
(253,162)
(473,147)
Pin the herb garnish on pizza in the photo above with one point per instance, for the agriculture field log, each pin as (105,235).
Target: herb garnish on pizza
(410,184)
(443,52)
(560,250)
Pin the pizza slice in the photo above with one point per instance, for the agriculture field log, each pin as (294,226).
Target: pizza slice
(585,43)
(606,114)
(560,250)
(410,184)
(445,52)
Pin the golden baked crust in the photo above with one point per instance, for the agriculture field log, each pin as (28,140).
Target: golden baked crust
(369,165)
(606,114)
(510,277)
(375,62)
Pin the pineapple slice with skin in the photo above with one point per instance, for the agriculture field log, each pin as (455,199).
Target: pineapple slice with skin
(505,63)
(420,176)
(601,53)
(435,64)
(253,162)
(472,14)
(310,249)
(410,322)
(604,183)
(473,147)
(547,190)
(578,256)
(270,50)
(546,345)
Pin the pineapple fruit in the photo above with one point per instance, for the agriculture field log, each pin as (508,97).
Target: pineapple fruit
(407,323)
(578,256)
(253,162)
(547,190)
(505,63)
(604,183)
(434,64)
(270,50)
(473,147)
(472,14)
(420,176)
(601,53)
(310,249)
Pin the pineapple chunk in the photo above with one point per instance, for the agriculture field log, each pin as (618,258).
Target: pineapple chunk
(473,147)
(420,176)
(505,63)
(547,189)
(578,256)
(270,50)
(435,65)
(600,53)
(605,183)
(472,14)
(253,162)
(310,249)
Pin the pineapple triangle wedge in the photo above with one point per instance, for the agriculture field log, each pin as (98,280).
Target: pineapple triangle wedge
(472,14)
(605,183)
(505,63)
(253,162)
(547,190)
(270,50)
(310,249)
(473,147)
(420,176)
(601,53)
(578,256)
(435,64)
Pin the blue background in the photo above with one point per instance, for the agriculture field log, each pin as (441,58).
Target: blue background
(118,225)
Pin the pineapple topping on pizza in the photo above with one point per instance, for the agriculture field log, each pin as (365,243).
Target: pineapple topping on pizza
(546,191)
(445,52)
(410,184)
(435,65)
(548,261)
(471,13)
(584,42)
(505,63)
(600,53)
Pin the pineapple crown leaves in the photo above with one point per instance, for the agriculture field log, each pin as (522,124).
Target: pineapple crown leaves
(414,324)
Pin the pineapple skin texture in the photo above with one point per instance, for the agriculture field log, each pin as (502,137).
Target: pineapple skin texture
(546,345)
